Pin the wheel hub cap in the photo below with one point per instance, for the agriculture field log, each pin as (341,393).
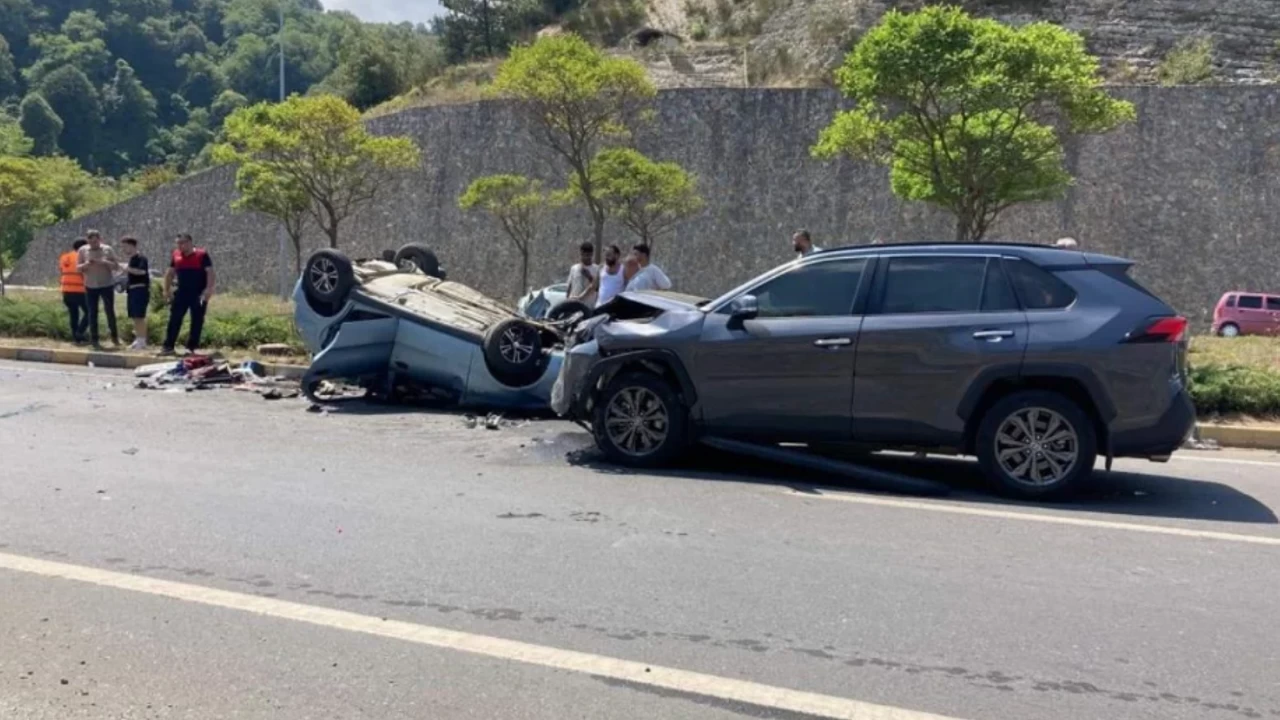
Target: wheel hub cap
(1037,447)
(324,275)
(516,347)
(636,421)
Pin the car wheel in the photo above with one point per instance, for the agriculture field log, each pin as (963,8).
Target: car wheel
(1229,330)
(513,352)
(1037,445)
(327,279)
(640,421)
(389,256)
(420,257)
(567,310)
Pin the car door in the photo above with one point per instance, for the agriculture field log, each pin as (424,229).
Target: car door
(1273,309)
(1253,315)
(936,325)
(788,372)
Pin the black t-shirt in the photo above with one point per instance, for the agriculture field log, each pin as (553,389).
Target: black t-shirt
(143,281)
(191,271)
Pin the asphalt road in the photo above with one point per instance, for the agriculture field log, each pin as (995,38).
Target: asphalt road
(214,555)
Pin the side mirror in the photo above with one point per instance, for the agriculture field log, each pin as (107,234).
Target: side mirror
(743,308)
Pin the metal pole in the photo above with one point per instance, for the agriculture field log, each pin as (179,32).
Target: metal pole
(286,277)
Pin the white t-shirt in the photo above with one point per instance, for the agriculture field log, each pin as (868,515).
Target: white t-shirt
(650,278)
(580,278)
(610,285)
(812,249)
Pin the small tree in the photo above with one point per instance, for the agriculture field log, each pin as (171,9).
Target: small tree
(648,197)
(278,196)
(320,145)
(519,205)
(577,99)
(967,113)
(23,189)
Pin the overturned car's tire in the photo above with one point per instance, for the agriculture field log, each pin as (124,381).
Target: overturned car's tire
(389,256)
(417,255)
(327,279)
(640,421)
(567,310)
(513,352)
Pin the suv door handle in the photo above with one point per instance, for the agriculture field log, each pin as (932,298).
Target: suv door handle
(833,342)
(992,335)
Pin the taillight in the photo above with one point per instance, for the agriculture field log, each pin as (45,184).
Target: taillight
(1160,330)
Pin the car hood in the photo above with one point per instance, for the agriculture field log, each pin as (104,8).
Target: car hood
(644,320)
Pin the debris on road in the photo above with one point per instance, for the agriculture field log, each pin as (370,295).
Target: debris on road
(493,422)
(203,372)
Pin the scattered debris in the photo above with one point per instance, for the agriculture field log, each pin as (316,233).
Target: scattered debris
(493,422)
(203,372)
(514,516)
(274,349)
(131,451)
(470,421)
(278,394)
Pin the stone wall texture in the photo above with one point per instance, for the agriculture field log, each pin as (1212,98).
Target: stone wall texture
(1191,192)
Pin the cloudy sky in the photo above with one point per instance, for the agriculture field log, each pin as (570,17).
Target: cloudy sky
(388,10)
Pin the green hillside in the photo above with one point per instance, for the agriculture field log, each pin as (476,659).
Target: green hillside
(119,85)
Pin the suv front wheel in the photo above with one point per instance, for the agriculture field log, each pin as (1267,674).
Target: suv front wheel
(1036,445)
(639,420)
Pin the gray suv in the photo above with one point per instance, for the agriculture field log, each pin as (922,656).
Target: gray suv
(1037,360)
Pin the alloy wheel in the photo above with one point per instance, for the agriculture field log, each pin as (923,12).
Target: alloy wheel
(1037,447)
(636,421)
(516,346)
(324,275)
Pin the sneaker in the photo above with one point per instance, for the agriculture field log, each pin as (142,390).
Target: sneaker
(96,347)
(167,352)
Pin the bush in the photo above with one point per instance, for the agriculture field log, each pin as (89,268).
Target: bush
(1235,389)
(1190,62)
(239,323)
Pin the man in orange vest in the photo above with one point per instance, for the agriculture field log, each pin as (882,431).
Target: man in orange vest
(72,282)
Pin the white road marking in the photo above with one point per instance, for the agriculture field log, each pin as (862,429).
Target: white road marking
(729,689)
(957,509)
(87,372)
(1225,461)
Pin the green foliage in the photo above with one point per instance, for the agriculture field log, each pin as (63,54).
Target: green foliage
(232,323)
(518,203)
(279,196)
(8,70)
(129,122)
(481,29)
(74,99)
(649,198)
(320,145)
(1235,389)
(40,123)
(1190,62)
(578,99)
(963,110)
(12,140)
(606,22)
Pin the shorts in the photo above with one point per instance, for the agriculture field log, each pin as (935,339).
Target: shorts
(138,300)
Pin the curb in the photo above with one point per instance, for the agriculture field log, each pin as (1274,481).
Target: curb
(1238,436)
(117,361)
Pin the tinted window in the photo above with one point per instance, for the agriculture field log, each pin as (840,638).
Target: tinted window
(997,294)
(1273,303)
(933,284)
(1231,301)
(1037,288)
(1251,302)
(823,289)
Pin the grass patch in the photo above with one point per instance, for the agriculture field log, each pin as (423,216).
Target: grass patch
(1237,376)
(1190,62)
(240,322)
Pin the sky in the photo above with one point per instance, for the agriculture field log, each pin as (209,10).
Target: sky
(388,10)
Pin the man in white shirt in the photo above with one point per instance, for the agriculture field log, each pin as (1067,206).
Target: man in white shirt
(650,276)
(612,278)
(582,276)
(802,243)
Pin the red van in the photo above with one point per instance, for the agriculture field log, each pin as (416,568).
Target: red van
(1247,313)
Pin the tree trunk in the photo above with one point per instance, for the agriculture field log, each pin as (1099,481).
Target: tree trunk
(597,228)
(297,254)
(524,272)
(962,228)
(332,232)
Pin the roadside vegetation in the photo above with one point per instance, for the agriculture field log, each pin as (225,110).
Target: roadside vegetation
(1236,377)
(237,322)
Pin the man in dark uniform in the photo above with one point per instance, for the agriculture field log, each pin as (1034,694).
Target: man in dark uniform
(192,269)
(137,291)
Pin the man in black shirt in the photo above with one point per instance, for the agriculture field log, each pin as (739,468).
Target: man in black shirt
(138,291)
(192,269)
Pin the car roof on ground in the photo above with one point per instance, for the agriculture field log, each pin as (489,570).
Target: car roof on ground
(1038,254)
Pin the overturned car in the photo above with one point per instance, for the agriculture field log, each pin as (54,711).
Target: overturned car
(396,322)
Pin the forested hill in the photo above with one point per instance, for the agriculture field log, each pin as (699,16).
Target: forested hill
(122,84)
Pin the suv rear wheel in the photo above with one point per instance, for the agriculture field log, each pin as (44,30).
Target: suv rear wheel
(1036,444)
(639,420)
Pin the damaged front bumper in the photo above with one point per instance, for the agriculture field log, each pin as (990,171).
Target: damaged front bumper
(571,394)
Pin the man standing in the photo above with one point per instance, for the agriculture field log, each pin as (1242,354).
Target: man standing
(192,268)
(582,276)
(97,261)
(649,276)
(137,291)
(611,278)
(72,282)
(802,243)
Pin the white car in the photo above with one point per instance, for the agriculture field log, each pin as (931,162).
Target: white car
(536,303)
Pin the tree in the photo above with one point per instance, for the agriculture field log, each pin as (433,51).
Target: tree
(8,70)
(577,99)
(40,123)
(967,113)
(647,197)
(321,145)
(22,189)
(129,123)
(518,204)
(276,195)
(478,29)
(74,99)
(204,80)
(13,141)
